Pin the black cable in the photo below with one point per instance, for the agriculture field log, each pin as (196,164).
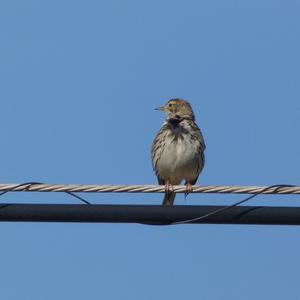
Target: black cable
(29,184)
(78,197)
(277,186)
(19,185)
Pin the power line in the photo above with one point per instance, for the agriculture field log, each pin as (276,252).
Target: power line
(207,189)
(145,214)
(148,214)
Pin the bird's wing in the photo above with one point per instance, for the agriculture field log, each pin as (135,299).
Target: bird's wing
(200,149)
(157,147)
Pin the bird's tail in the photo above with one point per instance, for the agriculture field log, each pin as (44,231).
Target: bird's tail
(169,199)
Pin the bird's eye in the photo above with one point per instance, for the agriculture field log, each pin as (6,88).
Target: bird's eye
(170,104)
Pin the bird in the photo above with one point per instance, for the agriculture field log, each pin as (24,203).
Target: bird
(177,151)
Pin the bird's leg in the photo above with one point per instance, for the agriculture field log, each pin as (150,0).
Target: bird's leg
(188,189)
(168,187)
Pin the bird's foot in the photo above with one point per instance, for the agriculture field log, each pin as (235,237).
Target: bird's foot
(168,187)
(188,189)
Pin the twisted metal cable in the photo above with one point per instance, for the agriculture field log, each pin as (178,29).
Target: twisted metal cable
(208,189)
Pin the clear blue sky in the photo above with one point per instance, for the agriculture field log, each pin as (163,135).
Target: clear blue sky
(79,81)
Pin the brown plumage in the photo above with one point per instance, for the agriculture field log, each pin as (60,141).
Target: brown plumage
(178,148)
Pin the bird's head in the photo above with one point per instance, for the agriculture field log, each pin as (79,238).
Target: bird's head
(178,110)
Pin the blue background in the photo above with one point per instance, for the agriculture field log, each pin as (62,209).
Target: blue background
(79,81)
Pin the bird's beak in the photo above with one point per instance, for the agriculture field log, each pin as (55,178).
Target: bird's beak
(160,108)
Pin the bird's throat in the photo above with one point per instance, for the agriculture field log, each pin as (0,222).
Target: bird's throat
(175,121)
